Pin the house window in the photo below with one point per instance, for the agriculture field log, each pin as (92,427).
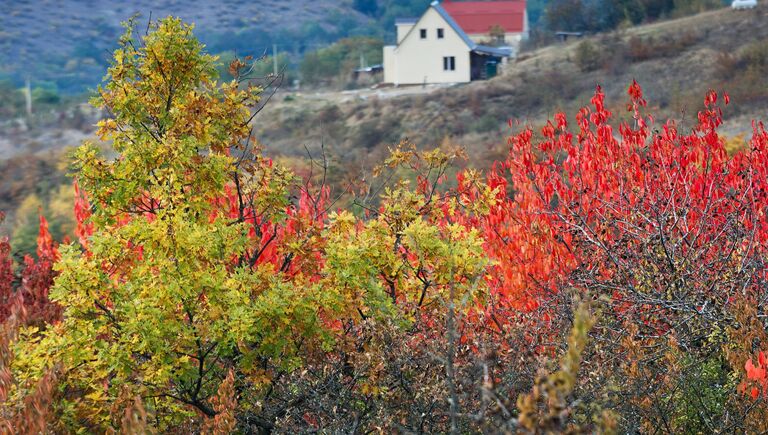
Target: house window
(423,33)
(449,63)
(439,33)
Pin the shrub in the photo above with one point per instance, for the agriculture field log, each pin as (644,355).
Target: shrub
(587,56)
(46,95)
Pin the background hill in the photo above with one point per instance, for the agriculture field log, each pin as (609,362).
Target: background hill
(65,45)
(675,61)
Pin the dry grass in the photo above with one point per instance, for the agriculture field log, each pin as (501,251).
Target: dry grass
(675,62)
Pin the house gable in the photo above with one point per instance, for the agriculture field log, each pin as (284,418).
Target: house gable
(435,49)
(428,19)
(432,59)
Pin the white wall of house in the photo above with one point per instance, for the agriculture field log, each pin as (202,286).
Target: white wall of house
(390,64)
(402,30)
(511,39)
(416,61)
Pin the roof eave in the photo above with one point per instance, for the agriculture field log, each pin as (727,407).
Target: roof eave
(494,51)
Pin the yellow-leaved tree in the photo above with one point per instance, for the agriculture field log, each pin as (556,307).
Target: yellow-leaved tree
(167,297)
(205,275)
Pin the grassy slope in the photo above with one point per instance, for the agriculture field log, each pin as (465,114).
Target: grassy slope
(532,89)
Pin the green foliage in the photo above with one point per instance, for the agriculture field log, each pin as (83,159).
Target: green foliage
(368,7)
(24,235)
(587,56)
(536,9)
(179,295)
(46,95)
(216,293)
(604,15)
(11,100)
(688,7)
(389,10)
(169,335)
(336,62)
(53,203)
(706,384)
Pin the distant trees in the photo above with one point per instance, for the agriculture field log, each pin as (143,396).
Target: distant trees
(335,63)
(368,7)
(11,100)
(603,15)
(31,185)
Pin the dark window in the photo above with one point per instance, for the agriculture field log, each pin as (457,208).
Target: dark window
(449,63)
(439,33)
(423,33)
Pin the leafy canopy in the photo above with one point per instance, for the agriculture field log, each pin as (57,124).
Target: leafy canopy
(161,304)
(197,280)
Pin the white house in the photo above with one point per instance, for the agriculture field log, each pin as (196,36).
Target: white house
(450,43)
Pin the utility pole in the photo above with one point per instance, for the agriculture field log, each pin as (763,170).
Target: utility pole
(274,58)
(28,97)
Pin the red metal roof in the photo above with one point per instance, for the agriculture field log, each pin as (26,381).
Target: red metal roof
(479,16)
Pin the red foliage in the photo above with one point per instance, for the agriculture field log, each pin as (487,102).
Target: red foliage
(82,212)
(303,222)
(660,223)
(33,281)
(756,374)
(586,200)
(7,277)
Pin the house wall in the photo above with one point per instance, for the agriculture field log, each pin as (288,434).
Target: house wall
(511,39)
(402,30)
(526,29)
(417,61)
(390,65)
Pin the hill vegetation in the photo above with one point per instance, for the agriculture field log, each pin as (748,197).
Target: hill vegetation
(64,46)
(676,60)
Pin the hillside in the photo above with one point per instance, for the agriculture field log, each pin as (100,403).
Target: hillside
(63,47)
(675,61)
(67,43)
